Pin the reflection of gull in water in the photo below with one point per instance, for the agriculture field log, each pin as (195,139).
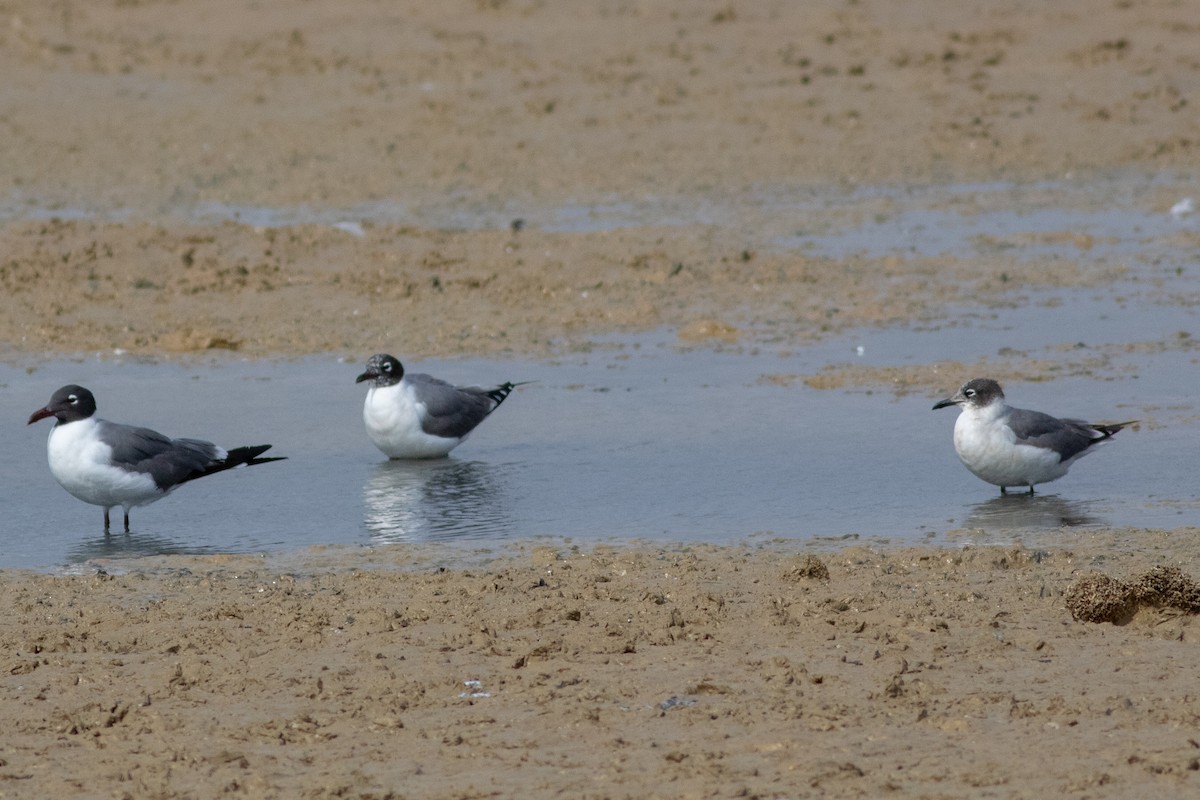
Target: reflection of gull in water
(1030,512)
(130,545)
(407,501)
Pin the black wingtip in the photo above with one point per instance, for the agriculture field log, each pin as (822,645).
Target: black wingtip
(501,392)
(249,456)
(1110,430)
(237,457)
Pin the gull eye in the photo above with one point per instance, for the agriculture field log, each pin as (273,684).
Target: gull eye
(969,392)
(72,399)
(387,366)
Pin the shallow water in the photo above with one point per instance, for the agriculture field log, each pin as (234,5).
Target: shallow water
(641,439)
(634,442)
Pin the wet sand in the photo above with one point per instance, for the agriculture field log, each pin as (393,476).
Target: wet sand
(130,126)
(693,672)
(145,139)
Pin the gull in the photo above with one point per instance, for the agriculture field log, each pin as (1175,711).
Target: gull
(1009,446)
(413,415)
(108,464)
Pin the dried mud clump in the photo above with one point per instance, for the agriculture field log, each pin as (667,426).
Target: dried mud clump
(1168,586)
(1099,598)
(809,567)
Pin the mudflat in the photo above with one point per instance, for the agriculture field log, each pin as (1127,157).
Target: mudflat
(276,179)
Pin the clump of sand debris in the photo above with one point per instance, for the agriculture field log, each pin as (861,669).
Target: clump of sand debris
(808,566)
(1100,598)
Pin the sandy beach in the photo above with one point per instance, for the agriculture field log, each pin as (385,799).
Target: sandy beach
(277,179)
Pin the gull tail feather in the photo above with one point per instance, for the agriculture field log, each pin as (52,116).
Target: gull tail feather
(237,457)
(501,392)
(1110,429)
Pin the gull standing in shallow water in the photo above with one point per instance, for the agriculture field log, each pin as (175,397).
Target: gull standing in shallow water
(1010,446)
(108,464)
(413,415)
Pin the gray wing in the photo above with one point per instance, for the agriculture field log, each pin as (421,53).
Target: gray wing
(1067,437)
(451,411)
(168,461)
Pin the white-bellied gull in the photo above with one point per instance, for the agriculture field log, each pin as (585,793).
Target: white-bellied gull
(1009,446)
(413,415)
(108,464)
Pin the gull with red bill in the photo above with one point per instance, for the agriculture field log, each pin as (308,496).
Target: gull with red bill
(108,464)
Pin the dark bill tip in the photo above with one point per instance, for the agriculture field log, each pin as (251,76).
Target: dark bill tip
(41,413)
